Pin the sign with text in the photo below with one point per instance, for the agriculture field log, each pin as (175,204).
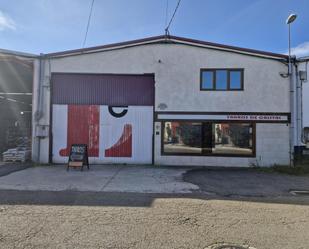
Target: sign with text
(78,156)
(260,117)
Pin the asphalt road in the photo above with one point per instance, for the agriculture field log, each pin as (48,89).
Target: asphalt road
(237,182)
(41,219)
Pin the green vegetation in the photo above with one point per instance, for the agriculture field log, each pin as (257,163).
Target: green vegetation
(299,169)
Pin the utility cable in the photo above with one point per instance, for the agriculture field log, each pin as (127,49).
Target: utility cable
(166,13)
(172,18)
(88,23)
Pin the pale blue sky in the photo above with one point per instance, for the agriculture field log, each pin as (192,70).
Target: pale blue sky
(54,25)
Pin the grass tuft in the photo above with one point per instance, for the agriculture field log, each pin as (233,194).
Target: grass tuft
(299,169)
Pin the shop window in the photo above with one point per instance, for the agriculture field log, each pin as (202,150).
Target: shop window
(182,138)
(233,138)
(208,138)
(222,79)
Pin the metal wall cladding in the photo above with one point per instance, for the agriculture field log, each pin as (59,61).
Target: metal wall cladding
(103,89)
(110,139)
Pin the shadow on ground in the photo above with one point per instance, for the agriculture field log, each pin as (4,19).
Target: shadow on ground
(8,168)
(76,198)
(245,182)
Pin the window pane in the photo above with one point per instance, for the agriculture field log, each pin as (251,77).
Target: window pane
(207,80)
(221,79)
(207,138)
(235,79)
(233,139)
(182,138)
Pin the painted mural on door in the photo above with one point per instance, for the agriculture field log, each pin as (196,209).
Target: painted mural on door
(123,147)
(83,128)
(113,134)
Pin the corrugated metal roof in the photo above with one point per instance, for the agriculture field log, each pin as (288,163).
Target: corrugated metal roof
(17,53)
(103,89)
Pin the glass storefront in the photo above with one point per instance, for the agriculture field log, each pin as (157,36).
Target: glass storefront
(208,138)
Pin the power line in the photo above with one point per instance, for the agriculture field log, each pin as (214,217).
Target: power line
(88,23)
(166,13)
(169,24)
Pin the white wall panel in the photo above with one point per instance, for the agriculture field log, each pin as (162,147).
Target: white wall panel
(60,124)
(111,129)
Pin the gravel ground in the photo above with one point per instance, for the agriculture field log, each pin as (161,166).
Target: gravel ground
(149,221)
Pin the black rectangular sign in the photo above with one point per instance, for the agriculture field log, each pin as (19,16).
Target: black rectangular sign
(78,156)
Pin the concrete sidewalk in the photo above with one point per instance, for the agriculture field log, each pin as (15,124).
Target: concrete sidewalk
(107,178)
(155,179)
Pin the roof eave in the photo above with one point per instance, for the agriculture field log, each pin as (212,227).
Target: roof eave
(175,39)
(17,53)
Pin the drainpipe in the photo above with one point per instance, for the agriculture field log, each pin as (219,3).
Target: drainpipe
(39,113)
(297,106)
(303,141)
(302,114)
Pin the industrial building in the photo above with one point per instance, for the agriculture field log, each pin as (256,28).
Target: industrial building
(167,100)
(163,100)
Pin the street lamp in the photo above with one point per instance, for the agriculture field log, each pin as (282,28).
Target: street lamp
(289,20)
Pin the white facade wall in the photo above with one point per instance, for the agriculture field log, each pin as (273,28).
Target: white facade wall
(177,84)
(272,147)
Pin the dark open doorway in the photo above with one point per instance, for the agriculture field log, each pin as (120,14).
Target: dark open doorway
(16,78)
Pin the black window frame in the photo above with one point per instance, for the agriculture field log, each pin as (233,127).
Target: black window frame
(203,153)
(229,70)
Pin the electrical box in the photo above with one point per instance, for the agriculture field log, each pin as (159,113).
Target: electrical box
(303,76)
(42,131)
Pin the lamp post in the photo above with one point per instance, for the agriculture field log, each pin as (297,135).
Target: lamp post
(289,20)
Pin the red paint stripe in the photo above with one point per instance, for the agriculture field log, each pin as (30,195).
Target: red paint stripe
(83,128)
(123,147)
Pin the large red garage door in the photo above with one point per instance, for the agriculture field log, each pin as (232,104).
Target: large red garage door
(112,114)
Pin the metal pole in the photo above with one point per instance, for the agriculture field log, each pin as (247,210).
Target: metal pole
(289,69)
(292,106)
